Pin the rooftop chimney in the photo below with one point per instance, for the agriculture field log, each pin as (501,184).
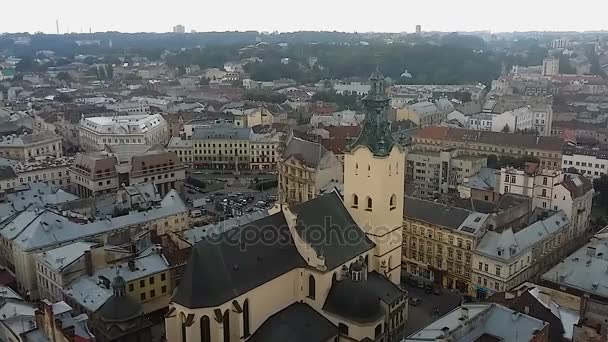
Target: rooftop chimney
(590,251)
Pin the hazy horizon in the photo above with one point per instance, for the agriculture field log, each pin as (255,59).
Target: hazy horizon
(381,16)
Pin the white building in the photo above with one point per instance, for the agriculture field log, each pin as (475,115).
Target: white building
(343,118)
(352,87)
(516,120)
(50,170)
(553,190)
(591,163)
(96,132)
(27,146)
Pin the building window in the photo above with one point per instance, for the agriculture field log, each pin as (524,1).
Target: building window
(355,201)
(226,321)
(130,287)
(183,322)
(311,287)
(142,296)
(544,192)
(162,277)
(205,329)
(497,270)
(142,283)
(163,289)
(369,204)
(393,202)
(152,293)
(151,280)
(378,331)
(343,329)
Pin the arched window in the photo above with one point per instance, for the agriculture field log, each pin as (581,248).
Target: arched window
(334,277)
(397,168)
(226,326)
(369,204)
(393,202)
(378,330)
(356,168)
(390,262)
(246,318)
(182,319)
(355,201)
(205,329)
(311,287)
(369,170)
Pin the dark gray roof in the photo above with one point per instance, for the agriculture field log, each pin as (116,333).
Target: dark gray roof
(221,132)
(296,323)
(310,153)
(354,300)
(385,289)
(434,213)
(7,172)
(227,265)
(326,225)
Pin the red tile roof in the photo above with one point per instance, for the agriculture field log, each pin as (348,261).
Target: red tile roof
(491,138)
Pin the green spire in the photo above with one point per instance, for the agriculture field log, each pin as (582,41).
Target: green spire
(376,133)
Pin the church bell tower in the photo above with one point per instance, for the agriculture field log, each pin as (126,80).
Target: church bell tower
(374,181)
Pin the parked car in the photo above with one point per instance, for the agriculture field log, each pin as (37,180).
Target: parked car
(437,291)
(428,288)
(420,284)
(196,213)
(415,301)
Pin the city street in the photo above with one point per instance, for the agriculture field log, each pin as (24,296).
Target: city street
(422,314)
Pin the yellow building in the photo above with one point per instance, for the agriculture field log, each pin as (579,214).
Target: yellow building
(221,147)
(439,241)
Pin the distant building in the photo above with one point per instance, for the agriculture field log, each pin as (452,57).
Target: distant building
(418,29)
(547,149)
(27,146)
(356,88)
(561,43)
(179,29)
(97,132)
(550,66)
(589,162)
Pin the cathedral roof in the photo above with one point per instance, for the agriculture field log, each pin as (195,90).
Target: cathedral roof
(354,300)
(296,323)
(232,263)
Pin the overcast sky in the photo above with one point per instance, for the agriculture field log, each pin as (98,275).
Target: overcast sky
(285,15)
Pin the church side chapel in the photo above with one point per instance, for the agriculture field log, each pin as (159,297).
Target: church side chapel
(324,270)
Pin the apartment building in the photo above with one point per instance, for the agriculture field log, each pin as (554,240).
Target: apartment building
(439,240)
(547,149)
(182,148)
(265,149)
(49,169)
(221,147)
(590,162)
(553,190)
(305,169)
(508,257)
(34,231)
(97,132)
(28,146)
(440,172)
(95,173)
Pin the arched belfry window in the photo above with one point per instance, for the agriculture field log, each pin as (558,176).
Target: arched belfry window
(393,202)
(369,204)
(226,326)
(355,201)
(205,329)
(311,287)
(182,321)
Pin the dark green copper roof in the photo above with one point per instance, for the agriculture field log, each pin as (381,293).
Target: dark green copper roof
(376,132)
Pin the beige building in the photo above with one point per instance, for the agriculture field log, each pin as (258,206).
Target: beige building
(221,147)
(265,149)
(440,172)
(318,289)
(50,170)
(28,146)
(97,173)
(439,241)
(182,148)
(305,168)
(547,149)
